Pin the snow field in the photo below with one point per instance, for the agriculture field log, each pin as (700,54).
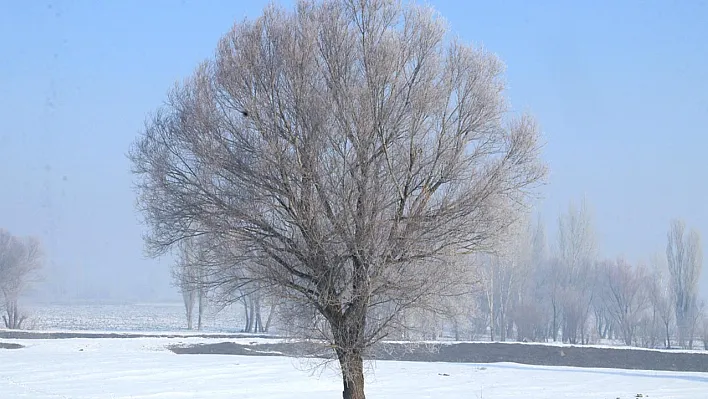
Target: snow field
(142,368)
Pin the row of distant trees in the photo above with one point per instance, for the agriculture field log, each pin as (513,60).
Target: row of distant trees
(524,289)
(20,261)
(200,289)
(532,291)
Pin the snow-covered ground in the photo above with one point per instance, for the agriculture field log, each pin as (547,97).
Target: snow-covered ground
(169,318)
(698,345)
(127,317)
(141,368)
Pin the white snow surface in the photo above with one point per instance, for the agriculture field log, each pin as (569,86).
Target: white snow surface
(128,317)
(142,368)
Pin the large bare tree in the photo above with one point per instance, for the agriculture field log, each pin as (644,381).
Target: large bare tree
(20,260)
(343,151)
(684,256)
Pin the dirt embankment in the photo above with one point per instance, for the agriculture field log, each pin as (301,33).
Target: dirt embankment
(7,345)
(546,355)
(12,334)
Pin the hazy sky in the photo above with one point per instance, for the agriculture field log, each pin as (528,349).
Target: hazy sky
(620,89)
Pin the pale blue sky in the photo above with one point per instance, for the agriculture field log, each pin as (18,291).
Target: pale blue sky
(620,89)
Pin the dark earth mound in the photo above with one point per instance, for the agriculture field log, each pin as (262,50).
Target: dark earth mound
(7,345)
(533,354)
(9,334)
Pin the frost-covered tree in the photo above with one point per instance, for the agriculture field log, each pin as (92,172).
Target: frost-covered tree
(684,257)
(345,151)
(573,271)
(625,295)
(190,277)
(20,260)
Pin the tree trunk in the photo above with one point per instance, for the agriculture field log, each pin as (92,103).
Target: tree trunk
(599,324)
(270,318)
(352,365)
(491,321)
(252,312)
(582,334)
(13,320)
(681,324)
(201,309)
(259,321)
(246,314)
(555,323)
(188,297)
(502,323)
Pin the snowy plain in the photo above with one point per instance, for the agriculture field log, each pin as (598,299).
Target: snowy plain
(142,368)
(128,317)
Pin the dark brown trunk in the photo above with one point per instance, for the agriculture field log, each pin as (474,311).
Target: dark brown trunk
(352,365)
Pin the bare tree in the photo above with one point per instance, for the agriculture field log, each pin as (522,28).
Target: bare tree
(696,323)
(20,260)
(344,151)
(626,296)
(574,274)
(189,296)
(604,321)
(531,313)
(485,270)
(537,311)
(196,258)
(685,261)
(461,313)
(512,270)
(704,332)
(576,236)
(661,297)
(186,280)
(255,300)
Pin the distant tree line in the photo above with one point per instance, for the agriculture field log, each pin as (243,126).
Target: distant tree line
(531,291)
(193,276)
(523,289)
